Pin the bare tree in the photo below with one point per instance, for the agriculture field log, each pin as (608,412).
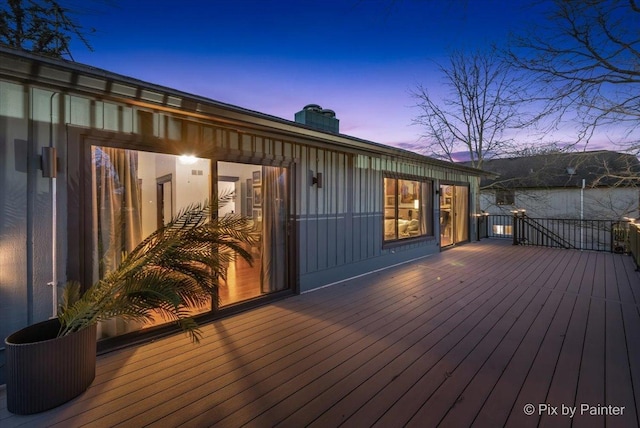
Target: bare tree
(40,26)
(587,64)
(480,108)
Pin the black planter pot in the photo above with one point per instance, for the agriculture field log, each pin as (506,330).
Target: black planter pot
(44,371)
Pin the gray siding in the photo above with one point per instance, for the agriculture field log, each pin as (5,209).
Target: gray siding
(339,227)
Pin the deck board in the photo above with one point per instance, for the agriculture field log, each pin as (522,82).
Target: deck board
(358,371)
(500,400)
(310,376)
(591,382)
(358,389)
(618,384)
(188,384)
(307,357)
(461,338)
(631,321)
(464,395)
(563,386)
(524,336)
(315,335)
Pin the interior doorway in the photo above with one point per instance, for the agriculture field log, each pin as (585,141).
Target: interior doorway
(454,214)
(164,199)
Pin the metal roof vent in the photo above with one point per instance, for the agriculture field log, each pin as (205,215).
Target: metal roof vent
(318,118)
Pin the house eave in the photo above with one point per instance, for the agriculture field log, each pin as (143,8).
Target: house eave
(62,75)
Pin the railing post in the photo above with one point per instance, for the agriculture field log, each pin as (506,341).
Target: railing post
(515,227)
(485,216)
(636,233)
(634,242)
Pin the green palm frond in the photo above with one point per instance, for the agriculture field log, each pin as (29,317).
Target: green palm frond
(172,271)
(70,295)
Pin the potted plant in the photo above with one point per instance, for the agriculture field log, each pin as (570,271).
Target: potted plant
(173,270)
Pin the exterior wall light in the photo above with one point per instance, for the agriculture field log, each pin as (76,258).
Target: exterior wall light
(317,180)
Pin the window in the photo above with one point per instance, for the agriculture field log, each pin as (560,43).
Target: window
(407,208)
(505,197)
(502,230)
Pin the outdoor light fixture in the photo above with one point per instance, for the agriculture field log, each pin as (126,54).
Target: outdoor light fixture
(317,180)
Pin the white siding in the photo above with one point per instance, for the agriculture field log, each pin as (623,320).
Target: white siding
(599,204)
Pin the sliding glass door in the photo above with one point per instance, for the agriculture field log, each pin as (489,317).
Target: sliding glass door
(260,193)
(454,214)
(134,193)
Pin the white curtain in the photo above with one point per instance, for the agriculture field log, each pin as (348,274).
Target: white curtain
(461,207)
(425,196)
(274,214)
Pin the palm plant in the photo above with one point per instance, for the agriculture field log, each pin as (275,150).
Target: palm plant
(175,269)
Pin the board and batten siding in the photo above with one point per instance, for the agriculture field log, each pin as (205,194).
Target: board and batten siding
(339,227)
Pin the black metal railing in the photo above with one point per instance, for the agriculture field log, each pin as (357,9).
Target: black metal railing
(634,242)
(543,232)
(595,235)
(495,226)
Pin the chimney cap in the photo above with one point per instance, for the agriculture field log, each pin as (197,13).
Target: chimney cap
(312,107)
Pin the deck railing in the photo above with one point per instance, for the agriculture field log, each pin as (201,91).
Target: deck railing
(634,242)
(595,235)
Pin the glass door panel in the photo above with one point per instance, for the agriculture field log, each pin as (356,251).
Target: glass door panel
(446,215)
(454,214)
(135,193)
(260,193)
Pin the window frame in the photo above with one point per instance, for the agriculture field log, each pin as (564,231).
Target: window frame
(505,197)
(393,202)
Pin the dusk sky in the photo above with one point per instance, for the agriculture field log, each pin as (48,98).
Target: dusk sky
(360,58)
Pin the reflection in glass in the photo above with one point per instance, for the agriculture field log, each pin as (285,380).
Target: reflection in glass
(454,214)
(261,195)
(135,193)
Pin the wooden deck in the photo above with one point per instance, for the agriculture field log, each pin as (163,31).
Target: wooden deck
(466,337)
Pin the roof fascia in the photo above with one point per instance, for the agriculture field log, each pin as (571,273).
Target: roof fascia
(63,75)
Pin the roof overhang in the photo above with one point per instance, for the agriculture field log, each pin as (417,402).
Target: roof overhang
(67,76)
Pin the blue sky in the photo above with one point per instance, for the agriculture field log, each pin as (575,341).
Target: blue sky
(360,58)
